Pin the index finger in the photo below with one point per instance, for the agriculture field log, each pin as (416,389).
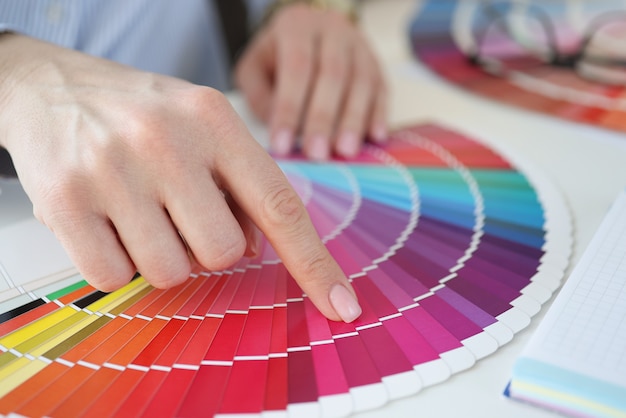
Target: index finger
(261,189)
(295,62)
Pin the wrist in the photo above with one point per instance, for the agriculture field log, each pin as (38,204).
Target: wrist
(346,7)
(10,76)
(34,67)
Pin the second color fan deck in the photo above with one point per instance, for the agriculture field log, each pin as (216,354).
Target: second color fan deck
(451,246)
(445,34)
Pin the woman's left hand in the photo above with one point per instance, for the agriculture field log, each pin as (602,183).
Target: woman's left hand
(310,73)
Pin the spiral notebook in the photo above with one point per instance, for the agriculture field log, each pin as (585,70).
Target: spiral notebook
(575,363)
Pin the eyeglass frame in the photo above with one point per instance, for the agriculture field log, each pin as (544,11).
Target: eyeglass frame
(556,58)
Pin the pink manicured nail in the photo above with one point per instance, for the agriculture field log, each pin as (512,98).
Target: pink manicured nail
(282,143)
(348,144)
(255,244)
(318,148)
(379,133)
(345,304)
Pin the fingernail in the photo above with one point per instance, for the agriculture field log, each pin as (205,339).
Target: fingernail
(345,304)
(254,244)
(348,144)
(282,142)
(318,148)
(379,133)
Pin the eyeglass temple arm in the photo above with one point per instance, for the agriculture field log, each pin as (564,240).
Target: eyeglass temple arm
(595,25)
(497,17)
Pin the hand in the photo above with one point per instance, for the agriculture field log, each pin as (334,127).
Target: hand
(139,172)
(311,72)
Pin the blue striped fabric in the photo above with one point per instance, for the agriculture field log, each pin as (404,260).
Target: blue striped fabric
(182,38)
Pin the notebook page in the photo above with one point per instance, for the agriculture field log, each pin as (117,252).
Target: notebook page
(579,348)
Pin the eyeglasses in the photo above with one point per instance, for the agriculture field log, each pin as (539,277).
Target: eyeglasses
(511,36)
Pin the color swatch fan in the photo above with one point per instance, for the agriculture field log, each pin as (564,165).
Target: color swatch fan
(561,58)
(450,247)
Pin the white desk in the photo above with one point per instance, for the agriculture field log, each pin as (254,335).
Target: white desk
(587,164)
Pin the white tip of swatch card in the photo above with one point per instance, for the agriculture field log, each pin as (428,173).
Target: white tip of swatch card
(458,359)
(556,261)
(274,414)
(402,384)
(335,406)
(481,345)
(304,410)
(559,234)
(514,319)
(369,396)
(526,304)
(538,292)
(500,332)
(559,230)
(433,372)
(548,276)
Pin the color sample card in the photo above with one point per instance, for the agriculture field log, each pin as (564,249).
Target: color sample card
(563,59)
(450,245)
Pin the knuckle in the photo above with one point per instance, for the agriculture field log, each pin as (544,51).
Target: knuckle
(313,267)
(168,273)
(334,69)
(286,111)
(109,279)
(210,110)
(364,78)
(62,202)
(299,62)
(202,98)
(142,123)
(282,206)
(321,117)
(147,135)
(368,73)
(354,121)
(149,129)
(222,256)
